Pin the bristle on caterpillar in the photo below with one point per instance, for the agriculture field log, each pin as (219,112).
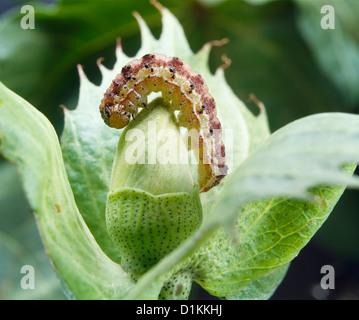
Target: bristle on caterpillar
(185,91)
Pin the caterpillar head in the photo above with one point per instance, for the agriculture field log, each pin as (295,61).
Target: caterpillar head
(115,117)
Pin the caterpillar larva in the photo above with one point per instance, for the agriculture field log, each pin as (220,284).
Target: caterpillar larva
(185,91)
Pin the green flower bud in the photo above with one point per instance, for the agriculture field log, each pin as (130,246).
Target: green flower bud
(152,206)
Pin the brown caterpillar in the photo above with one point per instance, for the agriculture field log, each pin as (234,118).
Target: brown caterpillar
(187,92)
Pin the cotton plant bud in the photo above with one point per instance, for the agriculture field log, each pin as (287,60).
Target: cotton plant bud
(153,204)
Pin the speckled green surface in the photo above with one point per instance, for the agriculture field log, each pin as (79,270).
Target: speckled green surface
(147,227)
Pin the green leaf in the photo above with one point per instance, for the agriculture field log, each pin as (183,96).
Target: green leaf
(89,148)
(270,233)
(263,287)
(305,153)
(311,152)
(30,142)
(20,244)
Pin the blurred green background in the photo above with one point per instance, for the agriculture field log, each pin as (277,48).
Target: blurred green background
(278,51)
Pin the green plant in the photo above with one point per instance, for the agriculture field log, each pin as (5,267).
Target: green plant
(254,223)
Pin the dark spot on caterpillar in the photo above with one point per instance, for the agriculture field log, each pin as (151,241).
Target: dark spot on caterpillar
(107,111)
(146,55)
(153,56)
(151,69)
(133,78)
(128,77)
(147,65)
(149,77)
(190,91)
(181,63)
(174,76)
(203,106)
(172,70)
